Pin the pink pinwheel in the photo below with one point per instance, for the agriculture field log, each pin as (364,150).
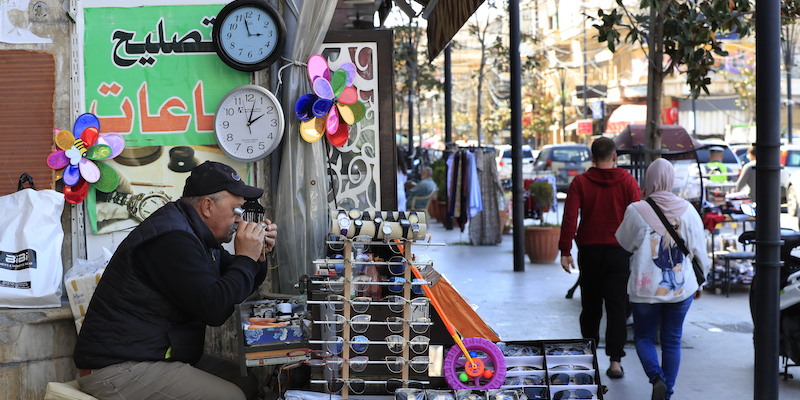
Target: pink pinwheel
(78,159)
(317,111)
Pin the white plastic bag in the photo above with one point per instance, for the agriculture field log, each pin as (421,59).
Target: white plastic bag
(30,248)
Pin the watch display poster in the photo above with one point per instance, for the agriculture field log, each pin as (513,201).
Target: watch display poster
(149,71)
(155,78)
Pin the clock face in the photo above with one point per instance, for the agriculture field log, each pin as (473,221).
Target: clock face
(248,123)
(249,34)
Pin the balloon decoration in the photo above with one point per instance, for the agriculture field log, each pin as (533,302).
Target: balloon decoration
(333,106)
(78,159)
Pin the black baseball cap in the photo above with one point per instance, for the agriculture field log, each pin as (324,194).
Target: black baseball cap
(211,177)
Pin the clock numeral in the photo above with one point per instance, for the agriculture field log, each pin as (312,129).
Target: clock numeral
(266,24)
(260,51)
(237,101)
(249,97)
(233,26)
(274,122)
(270,110)
(250,150)
(269,136)
(226,124)
(249,54)
(229,35)
(233,46)
(229,111)
(270,34)
(261,145)
(229,137)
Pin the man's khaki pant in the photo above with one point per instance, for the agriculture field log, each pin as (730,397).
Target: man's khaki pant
(212,378)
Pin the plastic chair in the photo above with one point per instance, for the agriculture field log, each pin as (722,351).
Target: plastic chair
(66,391)
(420,203)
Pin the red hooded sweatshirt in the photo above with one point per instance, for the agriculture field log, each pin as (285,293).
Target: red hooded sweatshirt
(601,195)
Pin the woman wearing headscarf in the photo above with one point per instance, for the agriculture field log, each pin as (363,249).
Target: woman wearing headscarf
(662,282)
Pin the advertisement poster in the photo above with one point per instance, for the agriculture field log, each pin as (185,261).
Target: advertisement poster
(150,73)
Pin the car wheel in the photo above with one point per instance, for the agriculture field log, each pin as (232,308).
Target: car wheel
(791,201)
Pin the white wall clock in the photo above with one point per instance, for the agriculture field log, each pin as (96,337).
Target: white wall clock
(249,123)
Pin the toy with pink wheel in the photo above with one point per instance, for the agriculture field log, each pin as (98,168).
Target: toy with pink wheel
(473,363)
(486,371)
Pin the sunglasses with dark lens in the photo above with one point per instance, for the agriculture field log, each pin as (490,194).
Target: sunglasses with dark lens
(393,384)
(525,380)
(357,386)
(357,364)
(514,350)
(508,394)
(564,379)
(573,394)
(561,351)
(397,265)
(535,393)
(569,367)
(305,352)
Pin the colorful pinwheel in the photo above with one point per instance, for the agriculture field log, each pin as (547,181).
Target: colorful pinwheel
(78,159)
(317,111)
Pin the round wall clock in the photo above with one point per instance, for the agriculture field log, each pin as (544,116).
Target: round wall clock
(248,123)
(249,35)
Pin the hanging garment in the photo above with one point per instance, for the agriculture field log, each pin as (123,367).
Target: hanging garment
(485,227)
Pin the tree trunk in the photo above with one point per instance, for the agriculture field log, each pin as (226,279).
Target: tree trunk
(655,83)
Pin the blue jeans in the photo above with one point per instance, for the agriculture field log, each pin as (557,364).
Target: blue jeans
(646,320)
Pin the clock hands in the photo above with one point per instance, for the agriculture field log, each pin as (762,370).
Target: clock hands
(247,26)
(248,124)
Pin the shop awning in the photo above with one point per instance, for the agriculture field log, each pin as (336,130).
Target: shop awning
(625,115)
(445,18)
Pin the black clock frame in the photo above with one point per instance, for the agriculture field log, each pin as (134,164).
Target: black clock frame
(279,24)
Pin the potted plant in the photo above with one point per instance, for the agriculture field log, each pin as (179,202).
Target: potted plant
(541,242)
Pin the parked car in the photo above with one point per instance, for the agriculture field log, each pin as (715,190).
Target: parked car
(565,161)
(741,152)
(687,181)
(504,160)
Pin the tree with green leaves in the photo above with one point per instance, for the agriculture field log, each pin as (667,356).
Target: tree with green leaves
(683,31)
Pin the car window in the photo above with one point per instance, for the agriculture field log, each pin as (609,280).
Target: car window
(525,153)
(793,158)
(574,154)
(727,156)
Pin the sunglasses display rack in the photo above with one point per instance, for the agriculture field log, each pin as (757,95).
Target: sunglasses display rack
(369,316)
(553,369)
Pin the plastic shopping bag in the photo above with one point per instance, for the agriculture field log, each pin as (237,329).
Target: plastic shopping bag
(30,248)
(81,280)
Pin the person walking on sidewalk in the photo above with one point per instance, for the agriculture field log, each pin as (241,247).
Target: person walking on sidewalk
(662,282)
(600,195)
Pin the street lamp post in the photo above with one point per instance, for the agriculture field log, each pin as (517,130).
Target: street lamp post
(562,77)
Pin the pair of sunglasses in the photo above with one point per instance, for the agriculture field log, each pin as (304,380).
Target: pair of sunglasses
(514,350)
(569,367)
(418,364)
(358,323)
(524,380)
(565,379)
(360,344)
(566,350)
(361,304)
(418,325)
(573,394)
(359,386)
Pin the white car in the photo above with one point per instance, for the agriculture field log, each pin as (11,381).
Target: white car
(504,160)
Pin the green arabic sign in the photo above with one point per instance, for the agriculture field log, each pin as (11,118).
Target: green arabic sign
(151,73)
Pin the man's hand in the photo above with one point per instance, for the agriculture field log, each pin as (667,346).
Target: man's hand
(698,293)
(271,233)
(250,240)
(567,263)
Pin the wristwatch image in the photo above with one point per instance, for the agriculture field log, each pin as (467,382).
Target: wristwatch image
(140,206)
(405,224)
(413,217)
(344,225)
(414,230)
(358,223)
(378,222)
(365,216)
(387,231)
(355,213)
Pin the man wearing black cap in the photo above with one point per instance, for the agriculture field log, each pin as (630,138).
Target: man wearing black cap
(144,331)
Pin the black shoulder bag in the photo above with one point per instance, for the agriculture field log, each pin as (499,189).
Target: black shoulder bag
(698,270)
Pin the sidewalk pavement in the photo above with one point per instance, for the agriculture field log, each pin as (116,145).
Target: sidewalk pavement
(717,356)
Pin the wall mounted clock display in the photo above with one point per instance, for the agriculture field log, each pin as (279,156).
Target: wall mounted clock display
(249,123)
(249,35)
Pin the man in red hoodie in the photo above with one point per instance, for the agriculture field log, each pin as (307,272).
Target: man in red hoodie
(600,196)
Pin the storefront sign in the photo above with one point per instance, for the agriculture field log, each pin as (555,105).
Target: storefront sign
(151,74)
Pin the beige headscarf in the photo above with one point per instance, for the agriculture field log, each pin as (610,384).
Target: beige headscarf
(658,186)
